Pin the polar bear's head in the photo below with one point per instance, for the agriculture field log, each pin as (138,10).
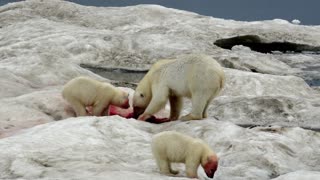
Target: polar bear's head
(210,165)
(141,100)
(121,99)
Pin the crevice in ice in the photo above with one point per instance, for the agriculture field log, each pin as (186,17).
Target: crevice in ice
(274,129)
(125,76)
(255,43)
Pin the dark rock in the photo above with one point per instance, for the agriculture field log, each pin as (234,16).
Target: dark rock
(255,43)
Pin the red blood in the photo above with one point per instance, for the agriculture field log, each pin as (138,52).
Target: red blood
(211,166)
(128,113)
(115,110)
(126,105)
(156,120)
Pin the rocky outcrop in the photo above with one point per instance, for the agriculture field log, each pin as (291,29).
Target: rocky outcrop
(255,43)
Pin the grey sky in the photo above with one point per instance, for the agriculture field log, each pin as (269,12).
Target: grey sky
(307,11)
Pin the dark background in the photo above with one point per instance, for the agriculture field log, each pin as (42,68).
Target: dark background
(307,11)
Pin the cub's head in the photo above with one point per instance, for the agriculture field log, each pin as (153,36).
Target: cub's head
(121,99)
(125,100)
(141,100)
(210,166)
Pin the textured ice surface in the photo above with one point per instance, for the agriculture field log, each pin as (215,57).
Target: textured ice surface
(43,43)
(113,147)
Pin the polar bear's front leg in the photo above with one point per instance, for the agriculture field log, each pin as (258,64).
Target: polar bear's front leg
(157,102)
(164,166)
(191,169)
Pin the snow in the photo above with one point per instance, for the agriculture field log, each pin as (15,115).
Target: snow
(296,21)
(97,146)
(43,44)
(94,147)
(306,175)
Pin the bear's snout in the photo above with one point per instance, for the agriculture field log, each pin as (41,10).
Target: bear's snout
(210,174)
(211,166)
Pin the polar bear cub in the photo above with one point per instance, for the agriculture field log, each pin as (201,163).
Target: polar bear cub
(82,92)
(194,76)
(173,147)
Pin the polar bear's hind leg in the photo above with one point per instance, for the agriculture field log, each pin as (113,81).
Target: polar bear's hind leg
(199,105)
(205,111)
(79,108)
(175,107)
(98,109)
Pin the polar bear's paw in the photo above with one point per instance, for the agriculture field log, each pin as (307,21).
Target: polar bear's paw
(189,117)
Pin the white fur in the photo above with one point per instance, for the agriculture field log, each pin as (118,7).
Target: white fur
(173,147)
(81,92)
(195,76)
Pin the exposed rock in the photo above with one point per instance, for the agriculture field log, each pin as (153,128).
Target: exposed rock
(255,43)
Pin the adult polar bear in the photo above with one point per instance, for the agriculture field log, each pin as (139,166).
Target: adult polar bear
(195,76)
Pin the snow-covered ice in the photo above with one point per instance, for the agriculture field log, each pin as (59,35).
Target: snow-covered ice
(296,21)
(43,44)
(113,147)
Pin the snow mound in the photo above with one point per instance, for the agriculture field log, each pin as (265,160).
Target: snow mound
(113,147)
(44,43)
